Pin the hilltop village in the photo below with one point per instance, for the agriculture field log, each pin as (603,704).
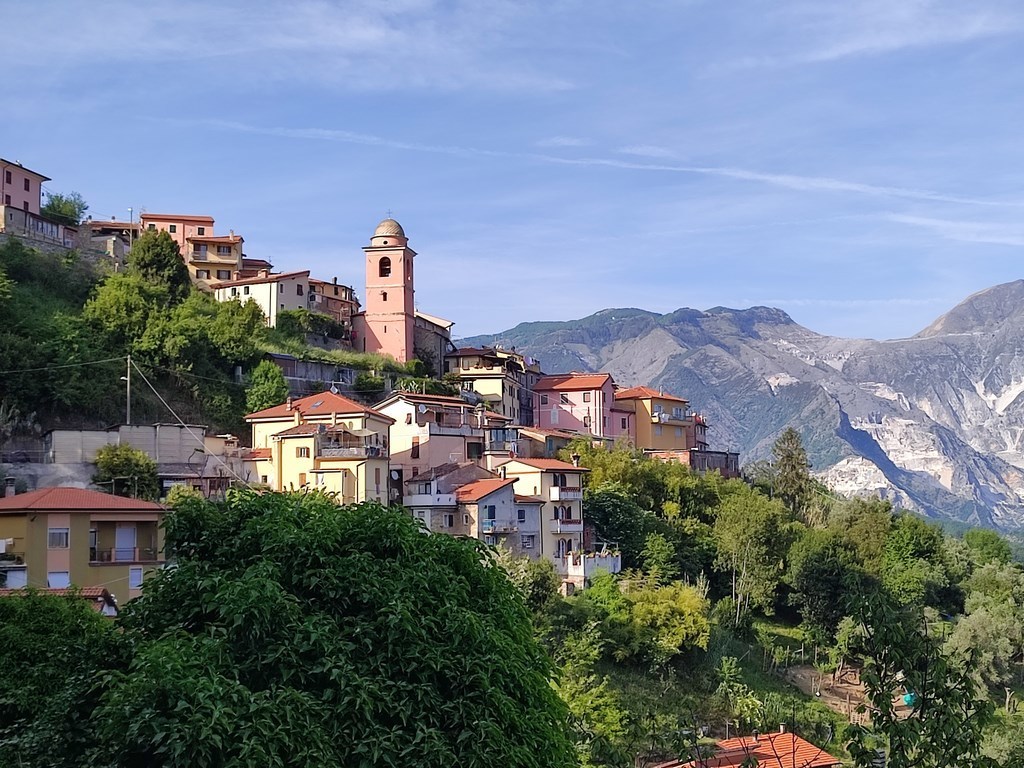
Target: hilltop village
(483,461)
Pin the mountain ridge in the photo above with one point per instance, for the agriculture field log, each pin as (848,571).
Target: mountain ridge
(935,422)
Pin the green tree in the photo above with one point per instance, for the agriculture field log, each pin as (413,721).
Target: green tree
(53,651)
(126,471)
(67,209)
(293,631)
(792,475)
(865,525)
(987,546)
(824,576)
(267,387)
(944,728)
(617,517)
(6,285)
(913,567)
(660,560)
(537,580)
(156,258)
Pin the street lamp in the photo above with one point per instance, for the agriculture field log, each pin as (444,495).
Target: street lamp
(128,398)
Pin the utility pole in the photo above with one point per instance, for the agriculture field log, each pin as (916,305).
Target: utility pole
(128,407)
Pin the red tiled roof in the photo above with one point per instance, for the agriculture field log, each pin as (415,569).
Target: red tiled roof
(73,500)
(300,430)
(528,500)
(550,465)
(478,489)
(255,454)
(11,164)
(112,224)
(416,397)
(215,238)
(175,217)
(771,750)
(254,263)
(493,415)
(321,404)
(572,382)
(640,393)
(98,596)
(272,278)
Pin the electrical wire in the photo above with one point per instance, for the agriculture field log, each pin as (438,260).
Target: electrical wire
(67,365)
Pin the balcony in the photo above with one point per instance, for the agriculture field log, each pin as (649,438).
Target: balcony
(352,452)
(123,555)
(566,493)
(12,560)
(567,526)
(498,527)
(584,566)
(429,500)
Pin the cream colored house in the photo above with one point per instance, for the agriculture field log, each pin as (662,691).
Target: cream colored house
(274,293)
(324,442)
(504,378)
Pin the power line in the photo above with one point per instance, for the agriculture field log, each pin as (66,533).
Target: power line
(186,426)
(67,365)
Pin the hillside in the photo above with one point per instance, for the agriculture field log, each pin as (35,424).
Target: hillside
(934,422)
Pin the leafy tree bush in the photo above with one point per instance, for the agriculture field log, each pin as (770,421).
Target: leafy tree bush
(792,472)
(67,209)
(987,546)
(369,387)
(297,323)
(126,471)
(267,387)
(155,257)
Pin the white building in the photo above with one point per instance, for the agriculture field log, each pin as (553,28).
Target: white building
(273,292)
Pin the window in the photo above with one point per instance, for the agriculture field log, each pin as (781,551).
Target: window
(202,274)
(449,520)
(586,421)
(415,452)
(58,579)
(7,199)
(376,476)
(543,399)
(57,538)
(677,413)
(425,489)
(302,453)
(263,479)
(151,227)
(415,471)
(245,290)
(134,578)
(679,431)
(658,409)
(234,291)
(383,295)
(491,511)
(7,177)
(586,397)
(172,228)
(563,399)
(623,422)
(223,274)
(25,205)
(474,450)
(200,231)
(28,186)
(657,429)
(298,289)
(224,250)
(521,515)
(302,479)
(528,541)
(384,267)
(465,519)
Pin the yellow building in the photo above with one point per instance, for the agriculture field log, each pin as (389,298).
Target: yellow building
(503,378)
(325,442)
(559,486)
(662,422)
(61,537)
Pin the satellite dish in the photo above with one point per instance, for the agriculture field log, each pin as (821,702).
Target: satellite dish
(394,474)
(421,408)
(334,390)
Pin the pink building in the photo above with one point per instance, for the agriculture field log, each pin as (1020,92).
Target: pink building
(580,402)
(387,323)
(210,258)
(20,187)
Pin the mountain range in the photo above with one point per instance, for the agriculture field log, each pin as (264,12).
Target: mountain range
(933,423)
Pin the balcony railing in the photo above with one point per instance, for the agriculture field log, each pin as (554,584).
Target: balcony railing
(12,560)
(352,452)
(566,526)
(566,493)
(123,555)
(498,526)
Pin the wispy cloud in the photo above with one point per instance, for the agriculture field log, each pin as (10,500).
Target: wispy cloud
(818,32)
(649,150)
(564,141)
(784,180)
(965,231)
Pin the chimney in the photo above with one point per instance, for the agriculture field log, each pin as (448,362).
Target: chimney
(288,403)
(8,489)
(782,727)
(575,459)
(264,273)
(503,472)
(755,735)
(334,280)
(232,232)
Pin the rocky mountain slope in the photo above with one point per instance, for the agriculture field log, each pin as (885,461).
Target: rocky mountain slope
(934,422)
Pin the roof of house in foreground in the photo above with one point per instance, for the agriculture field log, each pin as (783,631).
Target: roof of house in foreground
(64,499)
(770,750)
(320,404)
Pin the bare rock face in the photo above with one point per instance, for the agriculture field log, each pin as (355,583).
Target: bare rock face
(934,422)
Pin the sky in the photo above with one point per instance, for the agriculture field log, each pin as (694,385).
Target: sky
(856,164)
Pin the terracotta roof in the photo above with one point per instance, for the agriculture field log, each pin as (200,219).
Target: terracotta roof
(215,238)
(637,393)
(256,454)
(321,404)
(570,382)
(98,596)
(528,500)
(493,415)
(416,397)
(473,351)
(272,278)
(253,263)
(300,430)
(566,433)
(549,465)
(175,217)
(478,489)
(112,224)
(771,750)
(73,500)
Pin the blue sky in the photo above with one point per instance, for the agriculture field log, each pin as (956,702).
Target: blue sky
(854,163)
